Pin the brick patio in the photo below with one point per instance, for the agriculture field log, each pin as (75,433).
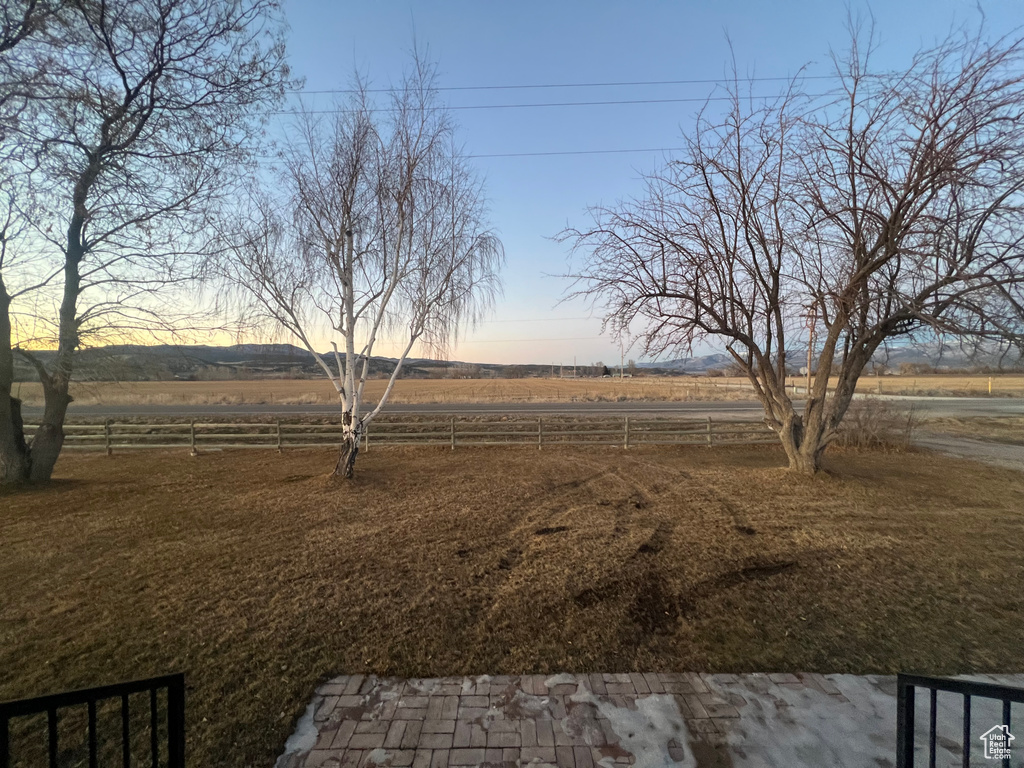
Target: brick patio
(570,721)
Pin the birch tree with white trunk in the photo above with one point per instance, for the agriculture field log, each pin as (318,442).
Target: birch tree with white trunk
(376,231)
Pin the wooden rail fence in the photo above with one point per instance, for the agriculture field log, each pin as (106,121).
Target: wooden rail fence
(626,432)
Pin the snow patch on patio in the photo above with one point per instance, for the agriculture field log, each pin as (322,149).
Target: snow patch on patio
(305,735)
(562,678)
(470,683)
(646,731)
(804,727)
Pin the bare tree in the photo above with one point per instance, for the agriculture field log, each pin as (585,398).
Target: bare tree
(23,23)
(144,113)
(379,232)
(21,65)
(890,211)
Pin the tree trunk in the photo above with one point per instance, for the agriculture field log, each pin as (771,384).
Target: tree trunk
(806,461)
(14,457)
(49,438)
(350,430)
(803,447)
(347,460)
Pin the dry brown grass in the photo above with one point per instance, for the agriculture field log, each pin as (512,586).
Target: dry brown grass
(258,576)
(301,391)
(938,384)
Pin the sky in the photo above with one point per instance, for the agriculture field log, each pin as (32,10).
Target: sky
(486,50)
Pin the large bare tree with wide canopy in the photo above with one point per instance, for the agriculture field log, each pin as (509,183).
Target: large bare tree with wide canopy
(889,210)
(123,125)
(375,230)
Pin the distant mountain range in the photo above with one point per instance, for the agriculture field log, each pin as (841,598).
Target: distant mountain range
(162,362)
(165,361)
(931,355)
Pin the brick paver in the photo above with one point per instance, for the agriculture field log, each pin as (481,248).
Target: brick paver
(591,721)
(567,721)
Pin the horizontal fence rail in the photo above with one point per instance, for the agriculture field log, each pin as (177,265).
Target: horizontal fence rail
(626,432)
(906,686)
(168,750)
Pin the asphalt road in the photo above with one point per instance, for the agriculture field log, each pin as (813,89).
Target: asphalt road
(964,407)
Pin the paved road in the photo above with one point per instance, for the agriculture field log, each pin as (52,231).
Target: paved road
(930,406)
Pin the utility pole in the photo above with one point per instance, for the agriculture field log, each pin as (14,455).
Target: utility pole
(811,321)
(574,366)
(621,358)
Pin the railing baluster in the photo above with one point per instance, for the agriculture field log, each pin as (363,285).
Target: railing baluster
(969,690)
(5,744)
(51,735)
(904,724)
(51,706)
(154,744)
(931,728)
(967,731)
(93,761)
(126,746)
(176,722)
(1006,722)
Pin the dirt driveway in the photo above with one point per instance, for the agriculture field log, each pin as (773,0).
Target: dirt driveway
(1003,455)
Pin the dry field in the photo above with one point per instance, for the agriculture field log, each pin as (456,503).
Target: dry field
(300,391)
(259,577)
(681,388)
(939,384)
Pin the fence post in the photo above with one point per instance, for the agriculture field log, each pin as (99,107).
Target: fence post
(278,422)
(106,437)
(192,438)
(453,433)
(625,443)
(366,438)
(540,432)
(709,431)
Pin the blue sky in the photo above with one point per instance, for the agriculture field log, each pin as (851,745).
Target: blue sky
(541,43)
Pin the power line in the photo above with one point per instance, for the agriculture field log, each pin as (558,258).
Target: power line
(628,83)
(548,104)
(538,319)
(548,154)
(511,341)
(581,152)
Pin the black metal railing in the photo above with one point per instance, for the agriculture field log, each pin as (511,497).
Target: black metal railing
(906,703)
(52,705)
